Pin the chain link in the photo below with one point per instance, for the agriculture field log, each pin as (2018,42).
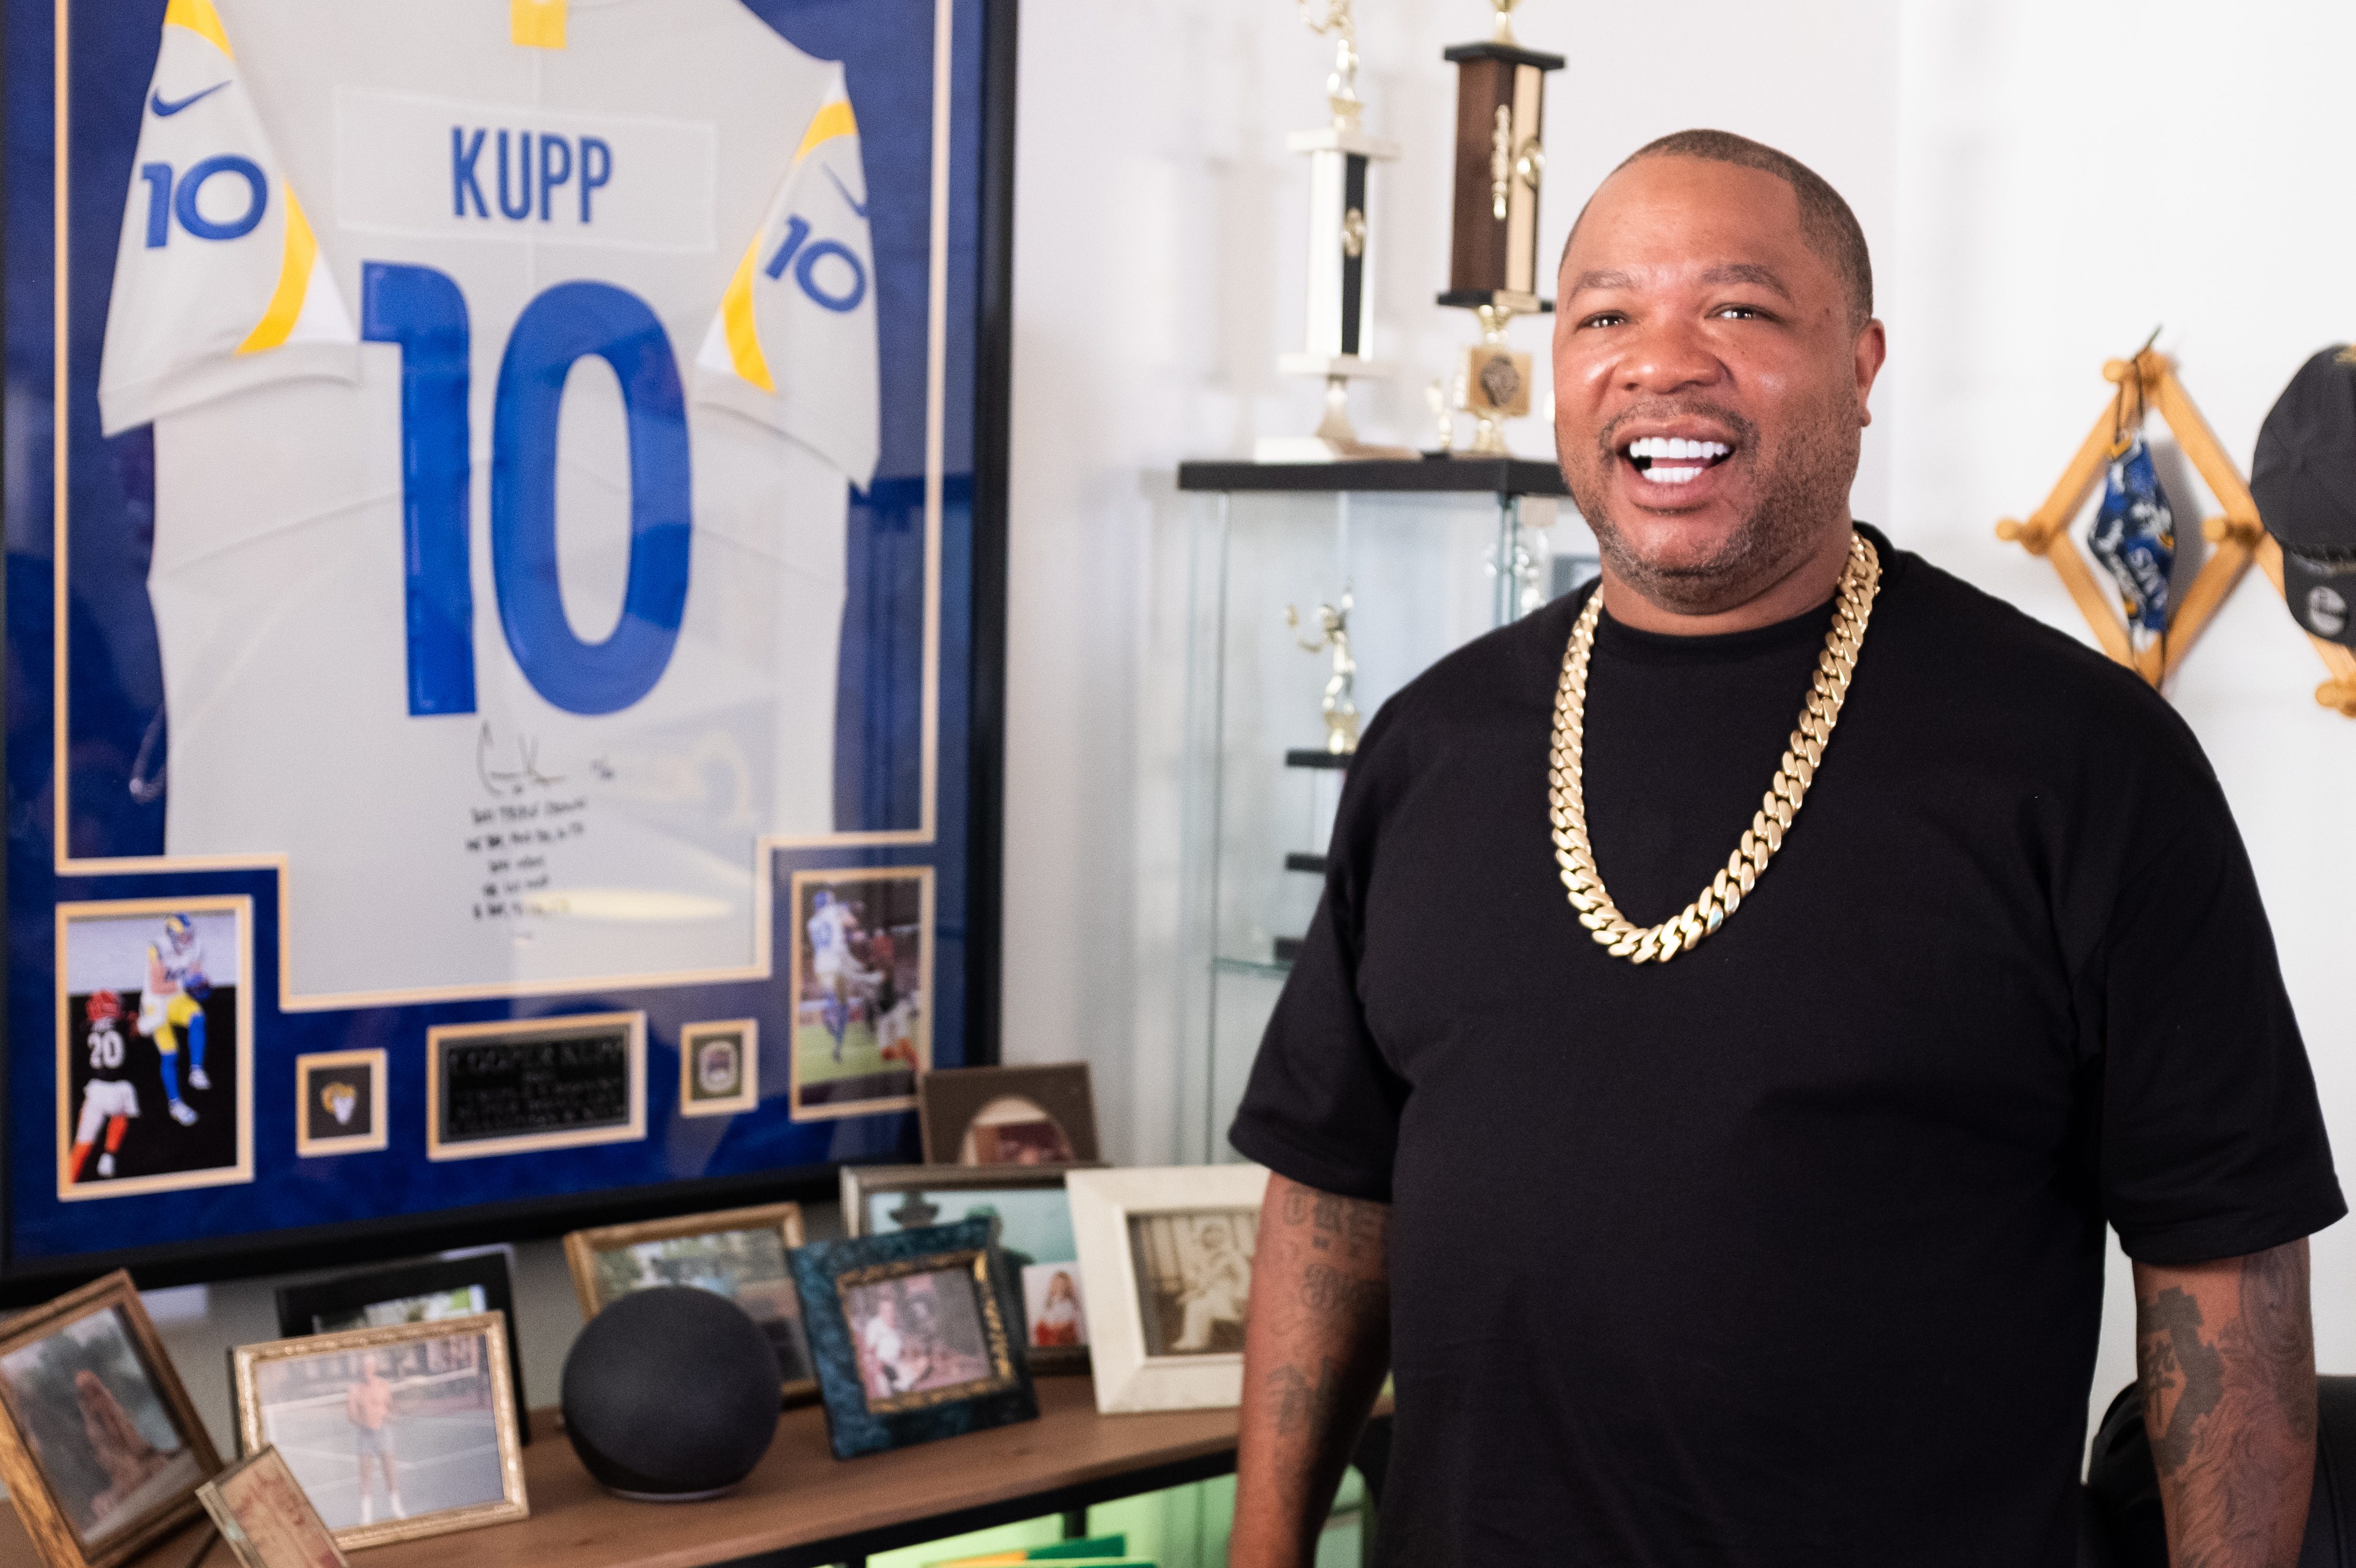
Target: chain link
(1828,688)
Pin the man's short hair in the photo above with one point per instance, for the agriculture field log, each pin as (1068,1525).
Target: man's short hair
(1827,223)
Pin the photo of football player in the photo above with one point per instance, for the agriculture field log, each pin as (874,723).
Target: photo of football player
(152,1072)
(173,1005)
(861,969)
(108,1098)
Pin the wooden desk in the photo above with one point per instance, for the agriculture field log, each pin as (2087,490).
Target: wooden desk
(802,1505)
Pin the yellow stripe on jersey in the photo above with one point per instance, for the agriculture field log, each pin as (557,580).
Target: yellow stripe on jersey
(832,119)
(199,18)
(743,338)
(536,23)
(294,281)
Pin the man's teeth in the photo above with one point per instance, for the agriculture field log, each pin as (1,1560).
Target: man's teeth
(1656,448)
(1660,475)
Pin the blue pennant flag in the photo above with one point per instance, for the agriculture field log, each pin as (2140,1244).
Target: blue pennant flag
(2134,536)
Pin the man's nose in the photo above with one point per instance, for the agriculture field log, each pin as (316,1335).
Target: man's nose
(1669,356)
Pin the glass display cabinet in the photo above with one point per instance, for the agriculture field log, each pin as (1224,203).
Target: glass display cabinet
(1316,591)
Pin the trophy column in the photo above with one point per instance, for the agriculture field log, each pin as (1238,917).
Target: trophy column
(1341,285)
(1492,260)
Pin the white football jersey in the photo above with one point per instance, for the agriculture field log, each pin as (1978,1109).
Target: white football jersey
(180,964)
(829,934)
(509,364)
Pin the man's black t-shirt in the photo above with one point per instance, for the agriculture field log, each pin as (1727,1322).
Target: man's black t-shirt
(1790,1251)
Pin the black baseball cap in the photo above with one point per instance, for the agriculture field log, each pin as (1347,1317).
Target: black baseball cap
(2304,480)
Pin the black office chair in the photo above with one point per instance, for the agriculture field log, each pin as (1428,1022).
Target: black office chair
(2125,1528)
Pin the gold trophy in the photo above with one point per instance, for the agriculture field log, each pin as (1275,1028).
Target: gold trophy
(1493,263)
(1341,283)
(1334,633)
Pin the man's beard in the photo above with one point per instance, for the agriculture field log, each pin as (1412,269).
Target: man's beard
(1799,485)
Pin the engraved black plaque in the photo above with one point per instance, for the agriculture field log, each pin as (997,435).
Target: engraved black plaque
(537,1084)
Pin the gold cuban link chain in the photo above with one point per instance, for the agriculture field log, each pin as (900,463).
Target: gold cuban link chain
(1828,688)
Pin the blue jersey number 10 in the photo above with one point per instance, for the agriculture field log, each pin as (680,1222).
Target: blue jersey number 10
(423,311)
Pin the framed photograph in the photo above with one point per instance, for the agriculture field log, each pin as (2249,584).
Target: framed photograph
(98,1445)
(862,990)
(1009,1116)
(425,1292)
(718,1068)
(474,753)
(154,1041)
(1166,1256)
(519,1088)
(914,1335)
(338,1102)
(266,1518)
(1032,1218)
(394,1433)
(740,1253)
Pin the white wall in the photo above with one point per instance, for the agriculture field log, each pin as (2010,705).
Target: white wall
(2042,182)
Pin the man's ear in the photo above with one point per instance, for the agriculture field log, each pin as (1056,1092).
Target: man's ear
(1872,347)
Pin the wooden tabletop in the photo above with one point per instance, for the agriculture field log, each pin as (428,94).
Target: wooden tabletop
(801,1500)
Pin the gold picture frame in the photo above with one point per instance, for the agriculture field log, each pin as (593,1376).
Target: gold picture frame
(76,983)
(478,1382)
(267,1518)
(70,1525)
(695,1099)
(310,1144)
(778,1308)
(997,1344)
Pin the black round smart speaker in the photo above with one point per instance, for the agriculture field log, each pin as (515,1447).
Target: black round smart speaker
(671,1395)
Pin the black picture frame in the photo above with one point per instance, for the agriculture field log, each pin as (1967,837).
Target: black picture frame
(983,310)
(300,1306)
(857,1423)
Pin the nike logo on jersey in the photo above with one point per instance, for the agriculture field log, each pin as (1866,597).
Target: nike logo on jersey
(166,109)
(858,207)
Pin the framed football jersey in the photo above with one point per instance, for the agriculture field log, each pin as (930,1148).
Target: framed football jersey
(505,567)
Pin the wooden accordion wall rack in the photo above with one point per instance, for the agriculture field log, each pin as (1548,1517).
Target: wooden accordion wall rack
(2238,537)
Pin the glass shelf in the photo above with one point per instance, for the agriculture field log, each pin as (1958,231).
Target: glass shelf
(1417,548)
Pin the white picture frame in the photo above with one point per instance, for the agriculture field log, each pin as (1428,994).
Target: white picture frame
(1132,1373)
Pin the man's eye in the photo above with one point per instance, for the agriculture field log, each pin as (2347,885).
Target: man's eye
(1737,312)
(1607,318)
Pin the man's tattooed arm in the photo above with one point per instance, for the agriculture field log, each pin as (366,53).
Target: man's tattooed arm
(1316,1345)
(2225,1354)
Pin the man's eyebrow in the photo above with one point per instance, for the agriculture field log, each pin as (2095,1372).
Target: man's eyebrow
(1746,273)
(1601,280)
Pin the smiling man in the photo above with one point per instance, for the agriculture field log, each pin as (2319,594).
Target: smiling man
(1742,994)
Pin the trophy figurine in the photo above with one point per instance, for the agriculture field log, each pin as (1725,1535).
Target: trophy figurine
(1341,286)
(1333,633)
(1492,263)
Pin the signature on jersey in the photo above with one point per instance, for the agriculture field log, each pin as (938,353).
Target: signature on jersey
(503,781)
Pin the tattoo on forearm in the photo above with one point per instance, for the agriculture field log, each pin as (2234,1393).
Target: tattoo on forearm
(1323,1289)
(1300,1408)
(2232,1415)
(1352,1226)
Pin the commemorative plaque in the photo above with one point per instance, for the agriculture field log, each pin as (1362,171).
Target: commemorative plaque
(550,1083)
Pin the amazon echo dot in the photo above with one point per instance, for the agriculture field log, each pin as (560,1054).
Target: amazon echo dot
(671,1395)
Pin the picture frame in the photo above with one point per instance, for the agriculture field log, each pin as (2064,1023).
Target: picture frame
(267,1518)
(913,1337)
(428,1290)
(101,1449)
(746,1250)
(837,976)
(124,742)
(1009,1116)
(340,1103)
(719,1067)
(155,1046)
(442,1387)
(1035,1237)
(1175,1243)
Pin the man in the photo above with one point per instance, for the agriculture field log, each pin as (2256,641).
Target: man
(832,926)
(367,1405)
(108,1099)
(173,1002)
(1215,1290)
(1785,1247)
